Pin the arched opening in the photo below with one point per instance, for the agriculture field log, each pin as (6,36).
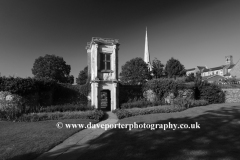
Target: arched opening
(105,100)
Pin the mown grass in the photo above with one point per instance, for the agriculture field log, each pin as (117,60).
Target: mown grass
(27,140)
(217,138)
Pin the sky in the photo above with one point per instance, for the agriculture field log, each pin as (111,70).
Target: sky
(196,32)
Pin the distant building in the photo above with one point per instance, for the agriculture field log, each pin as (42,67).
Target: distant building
(216,73)
(196,70)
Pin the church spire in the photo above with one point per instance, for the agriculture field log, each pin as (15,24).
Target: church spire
(146,52)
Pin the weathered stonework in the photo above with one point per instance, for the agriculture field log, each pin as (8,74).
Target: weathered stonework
(235,72)
(103,68)
(185,93)
(150,95)
(232,95)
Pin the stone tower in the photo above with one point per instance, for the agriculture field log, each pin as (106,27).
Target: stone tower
(103,69)
(228,60)
(146,53)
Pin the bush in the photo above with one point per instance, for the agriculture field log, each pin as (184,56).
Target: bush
(209,92)
(140,103)
(124,113)
(188,103)
(228,85)
(161,87)
(10,106)
(129,92)
(67,93)
(180,104)
(33,117)
(84,89)
(180,80)
(66,107)
(12,110)
(47,92)
(25,86)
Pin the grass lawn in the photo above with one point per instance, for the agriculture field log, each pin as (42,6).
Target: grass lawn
(27,140)
(217,138)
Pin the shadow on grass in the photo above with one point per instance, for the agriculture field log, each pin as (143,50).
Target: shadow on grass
(217,138)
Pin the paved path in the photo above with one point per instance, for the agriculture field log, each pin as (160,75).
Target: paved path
(75,145)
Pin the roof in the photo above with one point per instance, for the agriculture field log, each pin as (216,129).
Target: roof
(98,40)
(201,67)
(214,68)
(192,69)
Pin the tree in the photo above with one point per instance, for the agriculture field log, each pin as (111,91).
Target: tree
(52,67)
(174,68)
(82,76)
(135,72)
(190,78)
(157,68)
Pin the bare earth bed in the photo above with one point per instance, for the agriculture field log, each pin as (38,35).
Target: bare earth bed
(27,140)
(217,138)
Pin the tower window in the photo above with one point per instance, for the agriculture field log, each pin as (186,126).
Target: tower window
(105,61)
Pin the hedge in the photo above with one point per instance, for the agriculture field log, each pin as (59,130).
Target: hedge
(162,87)
(48,92)
(124,113)
(33,117)
(84,89)
(67,93)
(209,91)
(180,104)
(129,92)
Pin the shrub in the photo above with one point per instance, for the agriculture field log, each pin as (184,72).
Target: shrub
(10,106)
(33,117)
(84,89)
(164,87)
(124,113)
(25,86)
(161,87)
(66,107)
(188,103)
(67,93)
(47,92)
(228,85)
(180,104)
(209,92)
(129,92)
(180,80)
(140,103)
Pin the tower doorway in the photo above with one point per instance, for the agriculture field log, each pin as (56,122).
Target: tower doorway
(105,100)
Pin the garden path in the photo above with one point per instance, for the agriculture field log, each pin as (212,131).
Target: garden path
(75,145)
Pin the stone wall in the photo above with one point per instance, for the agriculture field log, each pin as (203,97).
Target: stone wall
(168,98)
(232,95)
